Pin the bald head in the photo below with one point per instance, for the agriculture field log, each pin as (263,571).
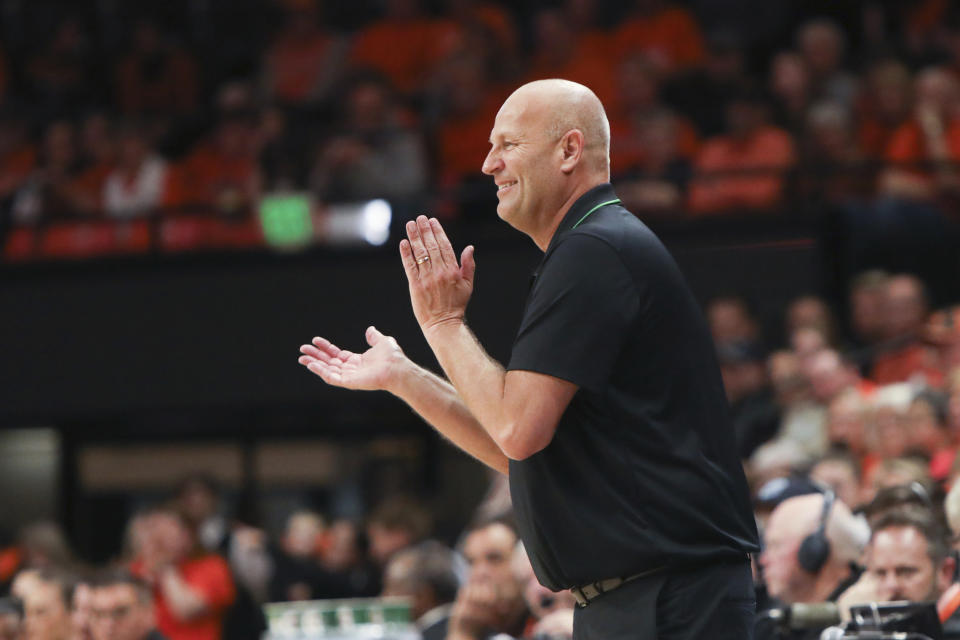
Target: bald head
(566,106)
(550,144)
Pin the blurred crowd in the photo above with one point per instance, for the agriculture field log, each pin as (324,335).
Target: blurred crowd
(187,573)
(121,114)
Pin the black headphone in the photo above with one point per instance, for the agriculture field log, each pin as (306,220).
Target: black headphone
(815,548)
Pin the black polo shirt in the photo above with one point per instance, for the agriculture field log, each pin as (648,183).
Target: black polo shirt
(642,471)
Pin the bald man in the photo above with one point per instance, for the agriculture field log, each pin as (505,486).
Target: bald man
(610,417)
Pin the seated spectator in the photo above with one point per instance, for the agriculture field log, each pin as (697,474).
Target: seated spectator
(560,53)
(46,607)
(904,311)
(193,588)
(81,611)
(755,414)
(303,63)
(846,424)
(426,575)
(343,555)
(221,173)
(922,151)
(49,192)
(743,169)
(830,375)
(657,182)
(122,608)
(297,574)
(792,577)
(811,311)
(18,155)
(884,107)
(665,32)
(802,418)
(404,45)
(822,45)
(926,422)
(97,152)
(491,601)
(639,101)
(866,302)
(395,524)
(833,169)
(11,619)
(138,185)
(156,76)
(887,420)
(840,471)
(731,319)
(374,154)
(791,90)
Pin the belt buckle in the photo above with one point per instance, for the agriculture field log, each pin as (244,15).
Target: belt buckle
(580,597)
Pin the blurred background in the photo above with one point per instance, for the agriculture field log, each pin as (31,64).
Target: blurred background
(189,190)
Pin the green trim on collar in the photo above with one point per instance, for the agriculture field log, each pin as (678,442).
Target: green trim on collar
(587,214)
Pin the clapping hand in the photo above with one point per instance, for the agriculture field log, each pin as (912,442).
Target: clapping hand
(375,369)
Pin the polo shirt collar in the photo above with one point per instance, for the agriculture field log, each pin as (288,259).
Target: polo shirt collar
(597,195)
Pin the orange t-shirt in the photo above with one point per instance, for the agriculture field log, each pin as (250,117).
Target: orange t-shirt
(208,575)
(908,145)
(670,37)
(769,151)
(295,66)
(203,177)
(405,50)
(901,365)
(16,167)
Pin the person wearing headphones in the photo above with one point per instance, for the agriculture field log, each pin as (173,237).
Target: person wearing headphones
(811,546)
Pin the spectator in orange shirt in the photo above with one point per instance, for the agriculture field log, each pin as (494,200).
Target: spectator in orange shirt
(885,105)
(222,172)
(923,149)
(405,45)
(156,76)
(744,168)
(668,34)
(470,14)
(559,52)
(304,62)
(192,588)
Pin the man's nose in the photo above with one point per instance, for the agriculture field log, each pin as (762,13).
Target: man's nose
(491,163)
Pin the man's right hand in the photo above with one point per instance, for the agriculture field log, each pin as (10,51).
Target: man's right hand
(376,369)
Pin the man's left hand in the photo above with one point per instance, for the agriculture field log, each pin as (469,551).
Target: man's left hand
(440,288)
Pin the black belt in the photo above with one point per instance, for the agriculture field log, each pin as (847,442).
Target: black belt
(588,592)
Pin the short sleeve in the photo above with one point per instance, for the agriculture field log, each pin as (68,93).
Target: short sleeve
(579,309)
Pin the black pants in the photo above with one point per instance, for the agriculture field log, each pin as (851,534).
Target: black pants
(715,602)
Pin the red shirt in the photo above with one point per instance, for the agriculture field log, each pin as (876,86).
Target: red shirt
(210,577)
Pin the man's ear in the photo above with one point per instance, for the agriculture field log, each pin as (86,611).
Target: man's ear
(946,572)
(571,149)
